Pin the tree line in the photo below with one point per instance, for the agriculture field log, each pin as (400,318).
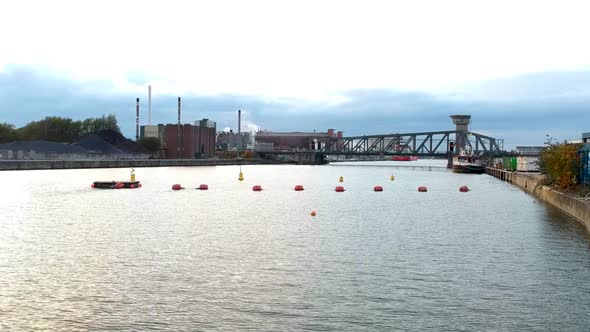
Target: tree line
(57,129)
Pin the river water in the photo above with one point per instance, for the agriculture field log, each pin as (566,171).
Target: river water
(75,258)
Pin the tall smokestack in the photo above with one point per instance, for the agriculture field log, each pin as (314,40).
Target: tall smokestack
(239,129)
(179,142)
(149,104)
(178,110)
(137,119)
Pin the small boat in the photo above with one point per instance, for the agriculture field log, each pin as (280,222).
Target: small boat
(468,168)
(404,158)
(467,164)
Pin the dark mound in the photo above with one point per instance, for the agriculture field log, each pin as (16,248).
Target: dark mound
(43,146)
(120,142)
(95,144)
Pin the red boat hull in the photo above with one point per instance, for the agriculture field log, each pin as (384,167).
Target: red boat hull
(404,158)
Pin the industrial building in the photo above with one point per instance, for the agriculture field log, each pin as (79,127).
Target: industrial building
(233,141)
(530,150)
(296,140)
(184,141)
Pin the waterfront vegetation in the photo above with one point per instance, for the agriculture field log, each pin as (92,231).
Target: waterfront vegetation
(152,144)
(57,129)
(560,162)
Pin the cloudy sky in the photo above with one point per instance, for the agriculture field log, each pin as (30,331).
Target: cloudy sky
(520,68)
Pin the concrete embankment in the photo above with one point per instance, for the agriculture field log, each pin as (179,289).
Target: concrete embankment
(576,207)
(6,165)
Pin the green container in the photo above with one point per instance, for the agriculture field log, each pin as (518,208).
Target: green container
(509,163)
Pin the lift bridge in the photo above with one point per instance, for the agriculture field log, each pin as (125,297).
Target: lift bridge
(436,143)
(442,144)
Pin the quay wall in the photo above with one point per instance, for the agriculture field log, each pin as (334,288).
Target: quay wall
(6,165)
(577,208)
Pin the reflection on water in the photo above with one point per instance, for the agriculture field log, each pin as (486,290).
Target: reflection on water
(73,258)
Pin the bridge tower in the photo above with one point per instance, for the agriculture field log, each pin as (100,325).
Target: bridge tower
(461,123)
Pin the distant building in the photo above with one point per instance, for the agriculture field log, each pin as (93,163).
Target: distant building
(206,123)
(529,150)
(232,141)
(184,141)
(263,147)
(296,140)
(586,137)
(189,141)
(158,131)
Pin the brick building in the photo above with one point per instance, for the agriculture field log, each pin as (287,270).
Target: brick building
(189,141)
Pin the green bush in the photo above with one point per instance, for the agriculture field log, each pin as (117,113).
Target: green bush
(152,144)
(561,163)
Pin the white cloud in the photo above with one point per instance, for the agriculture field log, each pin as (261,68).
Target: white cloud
(300,49)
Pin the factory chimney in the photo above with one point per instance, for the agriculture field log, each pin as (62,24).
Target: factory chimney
(239,130)
(179,141)
(149,104)
(137,120)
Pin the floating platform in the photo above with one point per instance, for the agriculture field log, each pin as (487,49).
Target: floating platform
(116,184)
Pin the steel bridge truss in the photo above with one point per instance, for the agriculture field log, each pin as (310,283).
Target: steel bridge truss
(436,143)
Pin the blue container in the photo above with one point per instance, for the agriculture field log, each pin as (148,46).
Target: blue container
(585,163)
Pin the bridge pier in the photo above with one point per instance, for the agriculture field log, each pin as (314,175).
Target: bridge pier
(450,160)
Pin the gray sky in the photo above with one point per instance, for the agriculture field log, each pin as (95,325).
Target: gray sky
(522,69)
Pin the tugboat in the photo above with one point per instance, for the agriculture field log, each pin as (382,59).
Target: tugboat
(467,163)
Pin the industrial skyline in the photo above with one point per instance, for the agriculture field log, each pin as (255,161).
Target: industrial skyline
(366,67)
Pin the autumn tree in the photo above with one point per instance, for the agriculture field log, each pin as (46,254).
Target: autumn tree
(561,164)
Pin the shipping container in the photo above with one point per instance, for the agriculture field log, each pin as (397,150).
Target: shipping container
(509,163)
(527,164)
(585,164)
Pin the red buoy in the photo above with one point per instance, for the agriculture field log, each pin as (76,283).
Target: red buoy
(140,185)
(92,185)
(378,188)
(257,188)
(176,187)
(132,186)
(422,189)
(298,187)
(339,189)
(203,187)
(119,185)
(464,189)
(313,213)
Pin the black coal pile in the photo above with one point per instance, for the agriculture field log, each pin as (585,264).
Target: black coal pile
(43,147)
(95,144)
(120,142)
